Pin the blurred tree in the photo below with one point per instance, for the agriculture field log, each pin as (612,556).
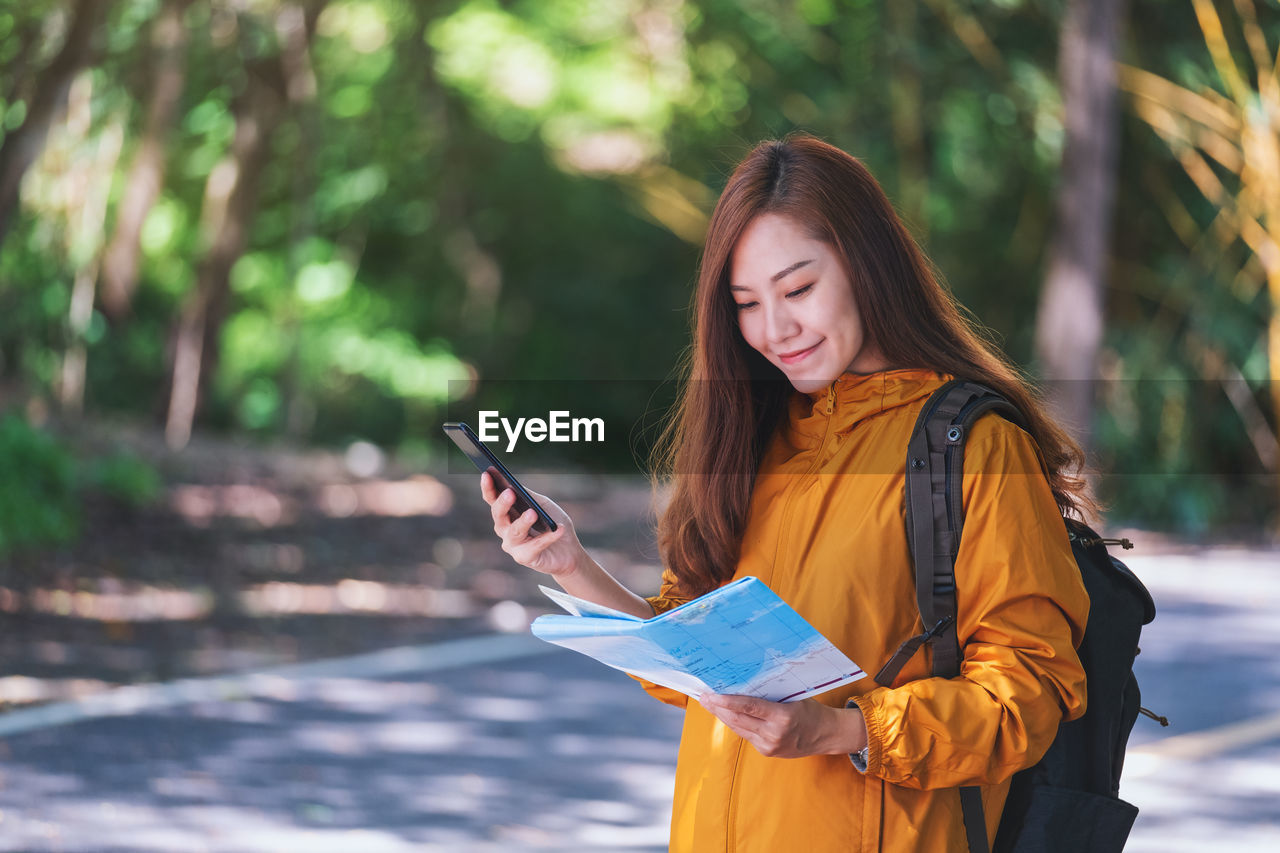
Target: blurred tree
(334,219)
(22,145)
(1240,133)
(907,116)
(230,202)
(296,28)
(89,177)
(166,75)
(1070,318)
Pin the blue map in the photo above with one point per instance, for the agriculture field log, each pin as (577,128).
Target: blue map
(740,639)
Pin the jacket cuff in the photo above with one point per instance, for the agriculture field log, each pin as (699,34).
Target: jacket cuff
(875,733)
(662,603)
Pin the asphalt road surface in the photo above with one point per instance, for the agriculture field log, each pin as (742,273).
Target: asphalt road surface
(505,743)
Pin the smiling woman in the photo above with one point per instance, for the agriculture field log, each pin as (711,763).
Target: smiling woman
(802,317)
(820,331)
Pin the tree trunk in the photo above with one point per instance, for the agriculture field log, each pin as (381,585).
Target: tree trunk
(905,114)
(1069,324)
(478,268)
(91,178)
(146,176)
(23,146)
(229,205)
(295,27)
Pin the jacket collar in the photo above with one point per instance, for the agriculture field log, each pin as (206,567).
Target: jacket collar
(854,397)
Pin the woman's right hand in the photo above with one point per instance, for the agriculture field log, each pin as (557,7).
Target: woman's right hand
(554,553)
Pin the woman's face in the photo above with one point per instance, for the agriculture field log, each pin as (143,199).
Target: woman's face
(795,304)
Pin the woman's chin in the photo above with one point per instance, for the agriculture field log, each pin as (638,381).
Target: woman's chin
(809,385)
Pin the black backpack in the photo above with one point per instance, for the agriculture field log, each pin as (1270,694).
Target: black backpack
(1069,800)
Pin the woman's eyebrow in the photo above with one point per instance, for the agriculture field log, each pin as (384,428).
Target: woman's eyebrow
(778,276)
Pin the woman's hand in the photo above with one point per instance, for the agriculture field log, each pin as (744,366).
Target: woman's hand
(556,553)
(790,729)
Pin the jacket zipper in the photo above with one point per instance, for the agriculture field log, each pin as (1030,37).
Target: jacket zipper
(731,841)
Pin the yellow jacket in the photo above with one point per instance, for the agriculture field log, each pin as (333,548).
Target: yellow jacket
(826,533)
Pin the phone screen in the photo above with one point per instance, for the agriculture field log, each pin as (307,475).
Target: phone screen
(482,457)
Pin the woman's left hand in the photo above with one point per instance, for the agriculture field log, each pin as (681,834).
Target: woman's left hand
(790,729)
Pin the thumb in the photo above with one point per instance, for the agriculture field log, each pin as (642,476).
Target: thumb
(749,705)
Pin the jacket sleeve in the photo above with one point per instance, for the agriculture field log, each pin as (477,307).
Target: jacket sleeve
(1021,612)
(665,600)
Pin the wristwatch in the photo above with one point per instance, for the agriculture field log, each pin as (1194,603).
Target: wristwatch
(860,757)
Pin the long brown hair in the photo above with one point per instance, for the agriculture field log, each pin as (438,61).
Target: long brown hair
(734,399)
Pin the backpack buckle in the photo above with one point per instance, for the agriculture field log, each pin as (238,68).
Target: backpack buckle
(932,633)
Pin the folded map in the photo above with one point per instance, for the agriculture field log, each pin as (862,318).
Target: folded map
(740,638)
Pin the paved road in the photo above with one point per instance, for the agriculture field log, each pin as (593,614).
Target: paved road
(541,751)
(1211,663)
(531,748)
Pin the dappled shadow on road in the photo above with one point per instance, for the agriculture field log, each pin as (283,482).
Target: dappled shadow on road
(551,752)
(1208,662)
(261,556)
(1217,802)
(1221,650)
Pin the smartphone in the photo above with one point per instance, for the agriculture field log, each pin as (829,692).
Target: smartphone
(484,459)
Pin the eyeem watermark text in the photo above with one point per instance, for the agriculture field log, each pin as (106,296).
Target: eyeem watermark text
(558,426)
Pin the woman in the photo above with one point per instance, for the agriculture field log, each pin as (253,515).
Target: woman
(809,276)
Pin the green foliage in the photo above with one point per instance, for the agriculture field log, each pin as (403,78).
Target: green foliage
(122,477)
(513,191)
(38,504)
(42,486)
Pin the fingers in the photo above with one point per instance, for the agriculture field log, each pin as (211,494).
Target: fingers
(500,509)
(489,486)
(730,710)
(749,706)
(526,551)
(781,730)
(504,525)
(516,538)
(744,726)
(519,529)
(741,724)
(526,546)
(535,553)
(767,726)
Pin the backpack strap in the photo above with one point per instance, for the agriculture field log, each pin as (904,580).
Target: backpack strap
(975,819)
(934,520)
(935,515)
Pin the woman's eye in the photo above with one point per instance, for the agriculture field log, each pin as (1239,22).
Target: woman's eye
(746,306)
(800,291)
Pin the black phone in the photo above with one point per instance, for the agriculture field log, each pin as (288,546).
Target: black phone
(469,443)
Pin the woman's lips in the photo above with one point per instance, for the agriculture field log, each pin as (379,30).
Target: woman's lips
(792,358)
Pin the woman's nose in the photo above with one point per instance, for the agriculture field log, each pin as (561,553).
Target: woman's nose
(780,323)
